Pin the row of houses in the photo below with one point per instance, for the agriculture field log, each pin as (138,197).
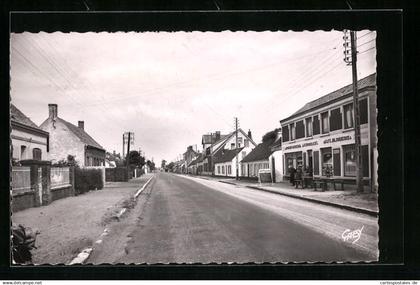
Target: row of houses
(319,136)
(53,140)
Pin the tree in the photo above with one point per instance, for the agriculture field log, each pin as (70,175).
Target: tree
(136,159)
(171,166)
(163,164)
(151,165)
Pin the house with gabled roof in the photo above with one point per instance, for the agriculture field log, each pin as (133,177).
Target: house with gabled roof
(263,156)
(225,152)
(68,139)
(28,140)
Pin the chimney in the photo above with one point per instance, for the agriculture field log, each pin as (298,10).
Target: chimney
(249,134)
(217,135)
(81,124)
(52,108)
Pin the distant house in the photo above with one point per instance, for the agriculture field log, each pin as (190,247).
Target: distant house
(68,139)
(261,157)
(189,156)
(227,153)
(276,158)
(28,140)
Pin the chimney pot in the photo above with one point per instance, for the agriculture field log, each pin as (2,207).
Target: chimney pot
(249,134)
(81,124)
(52,110)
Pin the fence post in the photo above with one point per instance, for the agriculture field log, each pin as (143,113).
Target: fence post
(71,180)
(46,183)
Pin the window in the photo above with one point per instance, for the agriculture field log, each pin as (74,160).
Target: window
(325,123)
(349,161)
(316,129)
(363,109)
(285,133)
(246,143)
(327,161)
(36,154)
(218,169)
(23,152)
(348,116)
(336,119)
(229,169)
(223,169)
(300,129)
(232,145)
(309,131)
(292,132)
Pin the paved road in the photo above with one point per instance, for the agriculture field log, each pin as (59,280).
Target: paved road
(190,220)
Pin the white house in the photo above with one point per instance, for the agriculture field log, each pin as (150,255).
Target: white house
(28,140)
(226,154)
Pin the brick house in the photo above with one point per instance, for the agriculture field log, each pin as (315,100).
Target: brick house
(68,139)
(28,140)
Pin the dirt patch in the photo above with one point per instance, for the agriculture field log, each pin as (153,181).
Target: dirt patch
(69,225)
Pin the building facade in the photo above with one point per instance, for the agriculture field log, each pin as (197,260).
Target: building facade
(68,139)
(28,140)
(320,136)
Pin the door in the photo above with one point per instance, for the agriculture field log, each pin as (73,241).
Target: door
(273,169)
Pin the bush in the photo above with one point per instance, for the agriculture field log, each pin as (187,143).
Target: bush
(87,179)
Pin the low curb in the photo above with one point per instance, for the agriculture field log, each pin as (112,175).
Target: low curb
(85,253)
(341,206)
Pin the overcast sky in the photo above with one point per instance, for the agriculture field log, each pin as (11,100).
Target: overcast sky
(171,88)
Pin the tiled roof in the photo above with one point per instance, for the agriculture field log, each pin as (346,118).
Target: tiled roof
(17,116)
(81,134)
(226,155)
(362,83)
(260,152)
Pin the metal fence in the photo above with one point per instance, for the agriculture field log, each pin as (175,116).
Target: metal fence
(21,179)
(60,176)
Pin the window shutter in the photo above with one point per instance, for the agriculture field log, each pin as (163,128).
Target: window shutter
(285,133)
(336,162)
(316,162)
(363,111)
(365,160)
(315,126)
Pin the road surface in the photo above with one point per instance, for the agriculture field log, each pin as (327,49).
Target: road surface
(182,219)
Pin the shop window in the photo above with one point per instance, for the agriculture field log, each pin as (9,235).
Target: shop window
(36,154)
(300,130)
(309,127)
(292,132)
(363,109)
(316,162)
(325,123)
(316,127)
(336,119)
(285,133)
(348,116)
(349,161)
(327,161)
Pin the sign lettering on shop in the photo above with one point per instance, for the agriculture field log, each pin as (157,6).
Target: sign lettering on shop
(313,143)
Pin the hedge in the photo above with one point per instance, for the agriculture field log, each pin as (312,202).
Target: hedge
(87,179)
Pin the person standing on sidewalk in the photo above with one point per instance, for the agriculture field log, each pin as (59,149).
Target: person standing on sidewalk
(292,172)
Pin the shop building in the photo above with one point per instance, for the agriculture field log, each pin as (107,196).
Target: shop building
(320,135)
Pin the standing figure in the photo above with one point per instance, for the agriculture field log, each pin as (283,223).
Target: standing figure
(292,172)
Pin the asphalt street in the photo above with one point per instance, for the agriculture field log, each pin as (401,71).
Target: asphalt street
(191,220)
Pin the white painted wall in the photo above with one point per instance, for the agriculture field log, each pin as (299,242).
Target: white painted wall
(29,140)
(278,163)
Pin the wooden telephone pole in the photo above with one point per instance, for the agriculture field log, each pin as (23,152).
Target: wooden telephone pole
(357,140)
(236,147)
(128,154)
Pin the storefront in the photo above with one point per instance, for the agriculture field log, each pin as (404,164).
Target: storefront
(320,137)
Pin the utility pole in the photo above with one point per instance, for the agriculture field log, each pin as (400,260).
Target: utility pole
(236,147)
(128,154)
(357,140)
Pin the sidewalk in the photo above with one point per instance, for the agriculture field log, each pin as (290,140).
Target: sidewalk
(348,199)
(69,225)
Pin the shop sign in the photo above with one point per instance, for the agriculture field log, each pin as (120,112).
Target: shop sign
(320,141)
